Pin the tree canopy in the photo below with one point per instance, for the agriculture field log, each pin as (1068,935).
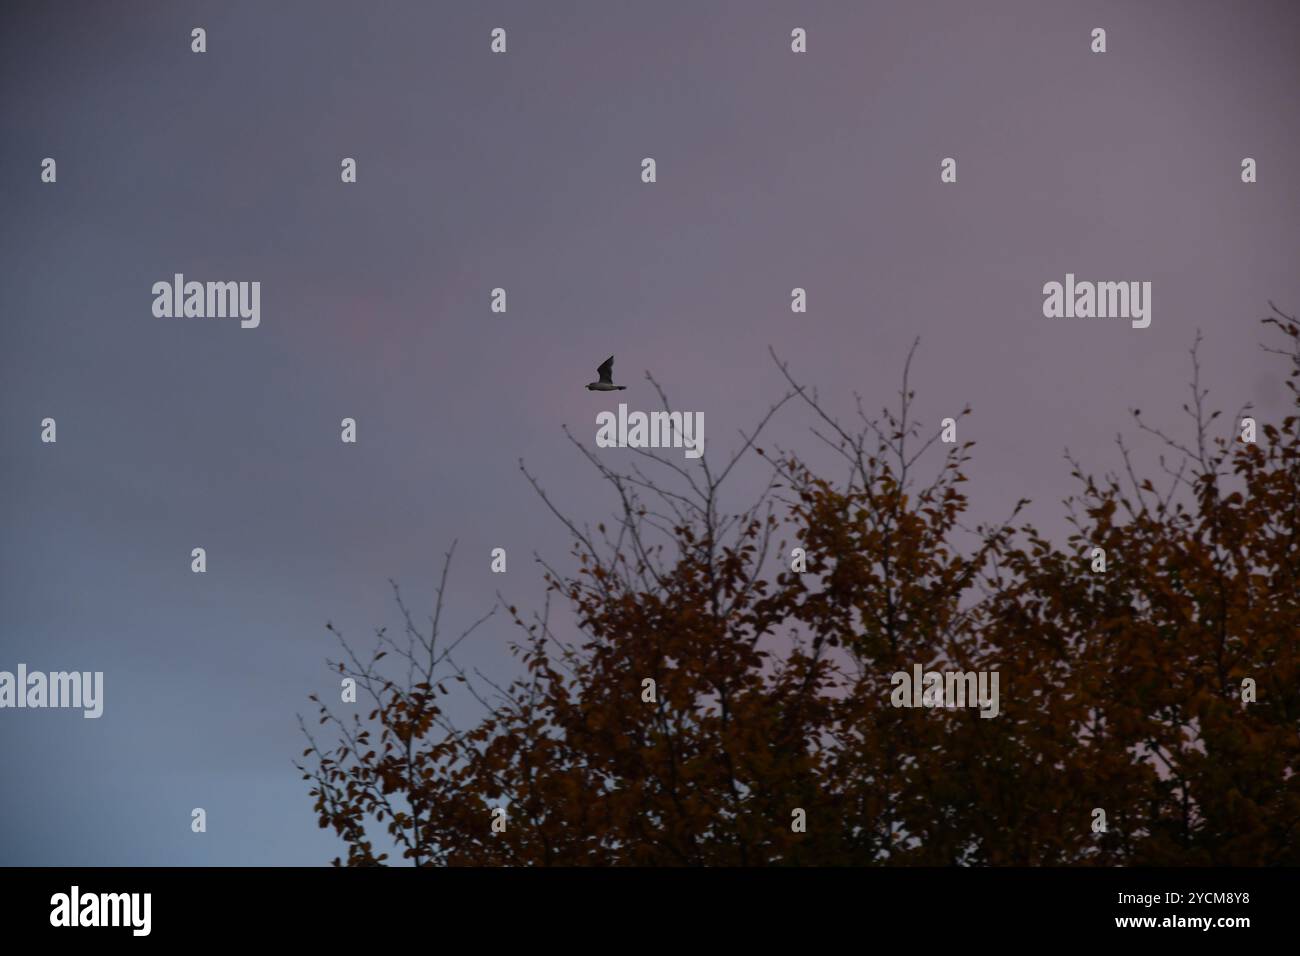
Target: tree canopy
(706,687)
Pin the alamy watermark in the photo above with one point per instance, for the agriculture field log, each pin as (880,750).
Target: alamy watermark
(208,300)
(76,689)
(653,430)
(102,909)
(1102,300)
(946,689)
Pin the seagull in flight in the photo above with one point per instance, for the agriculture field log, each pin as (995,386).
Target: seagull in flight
(606,383)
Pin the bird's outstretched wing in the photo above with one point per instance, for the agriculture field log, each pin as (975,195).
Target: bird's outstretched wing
(606,371)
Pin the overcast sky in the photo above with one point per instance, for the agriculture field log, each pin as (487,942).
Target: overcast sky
(522,170)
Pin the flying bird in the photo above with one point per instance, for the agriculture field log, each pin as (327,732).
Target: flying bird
(606,383)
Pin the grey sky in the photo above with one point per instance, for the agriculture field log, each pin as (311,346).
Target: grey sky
(775,170)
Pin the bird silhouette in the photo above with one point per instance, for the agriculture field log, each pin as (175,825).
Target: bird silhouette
(606,383)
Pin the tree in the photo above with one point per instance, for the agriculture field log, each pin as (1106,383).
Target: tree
(705,694)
